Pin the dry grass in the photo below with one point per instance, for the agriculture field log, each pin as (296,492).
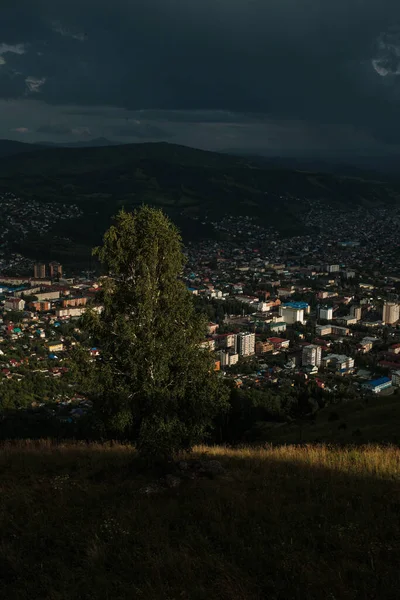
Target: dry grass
(284,523)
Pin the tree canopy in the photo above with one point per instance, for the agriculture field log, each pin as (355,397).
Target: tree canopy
(153,382)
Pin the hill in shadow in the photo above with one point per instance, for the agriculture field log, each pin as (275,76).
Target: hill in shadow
(302,523)
(190,185)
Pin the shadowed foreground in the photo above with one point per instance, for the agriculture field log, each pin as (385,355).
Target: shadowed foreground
(301,523)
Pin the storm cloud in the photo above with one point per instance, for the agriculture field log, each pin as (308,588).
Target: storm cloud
(226,71)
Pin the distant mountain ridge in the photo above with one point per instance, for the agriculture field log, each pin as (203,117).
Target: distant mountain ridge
(194,187)
(96,142)
(12,147)
(368,167)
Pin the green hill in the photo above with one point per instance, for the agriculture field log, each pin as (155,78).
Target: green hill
(370,420)
(288,523)
(189,184)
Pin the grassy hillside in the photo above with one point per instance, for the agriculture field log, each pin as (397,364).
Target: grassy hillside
(288,523)
(374,420)
(189,184)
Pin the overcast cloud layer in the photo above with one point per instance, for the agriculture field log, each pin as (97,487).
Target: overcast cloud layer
(288,76)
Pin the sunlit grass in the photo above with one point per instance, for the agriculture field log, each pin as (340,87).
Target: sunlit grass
(285,522)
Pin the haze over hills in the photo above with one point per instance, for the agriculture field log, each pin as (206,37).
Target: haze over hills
(193,186)
(340,164)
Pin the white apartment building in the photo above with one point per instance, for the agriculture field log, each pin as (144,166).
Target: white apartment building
(311,355)
(246,344)
(291,315)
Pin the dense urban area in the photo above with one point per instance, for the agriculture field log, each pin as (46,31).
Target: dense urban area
(311,317)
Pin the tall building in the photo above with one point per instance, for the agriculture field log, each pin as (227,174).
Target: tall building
(246,343)
(292,312)
(39,270)
(291,315)
(231,341)
(311,355)
(355,311)
(390,313)
(228,359)
(326,312)
(55,269)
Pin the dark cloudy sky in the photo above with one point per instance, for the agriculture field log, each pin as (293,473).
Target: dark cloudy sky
(287,76)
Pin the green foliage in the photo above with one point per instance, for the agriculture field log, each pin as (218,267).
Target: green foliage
(154,383)
(248,408)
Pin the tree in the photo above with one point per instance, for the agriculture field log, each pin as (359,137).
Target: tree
(153,383)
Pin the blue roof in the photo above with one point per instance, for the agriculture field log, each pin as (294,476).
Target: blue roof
(298,305)
(378,382)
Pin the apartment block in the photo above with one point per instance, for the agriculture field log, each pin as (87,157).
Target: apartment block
(246,343)
(311,355)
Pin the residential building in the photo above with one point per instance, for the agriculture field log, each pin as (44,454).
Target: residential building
(348,320)
(208,344)
(284,292)
(263,347)
(311,355)
(390,314)
(355,311)
(325,312)
(339,363)
(231,341)
(48,295)
(70,312)
(43,306)
(337,330)
(55,346)
(333,268)
(14,304)
(246,343)
(278,327)
(291,314)
(228,358)
(377,385)
(279,343)
(350,274)
(55,270)
(80,302)
(396,378)
(322,330)
(39,270)
(211,328)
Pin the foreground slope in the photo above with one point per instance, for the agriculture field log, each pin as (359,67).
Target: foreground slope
(284,523)
(189,184)
(374,419)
